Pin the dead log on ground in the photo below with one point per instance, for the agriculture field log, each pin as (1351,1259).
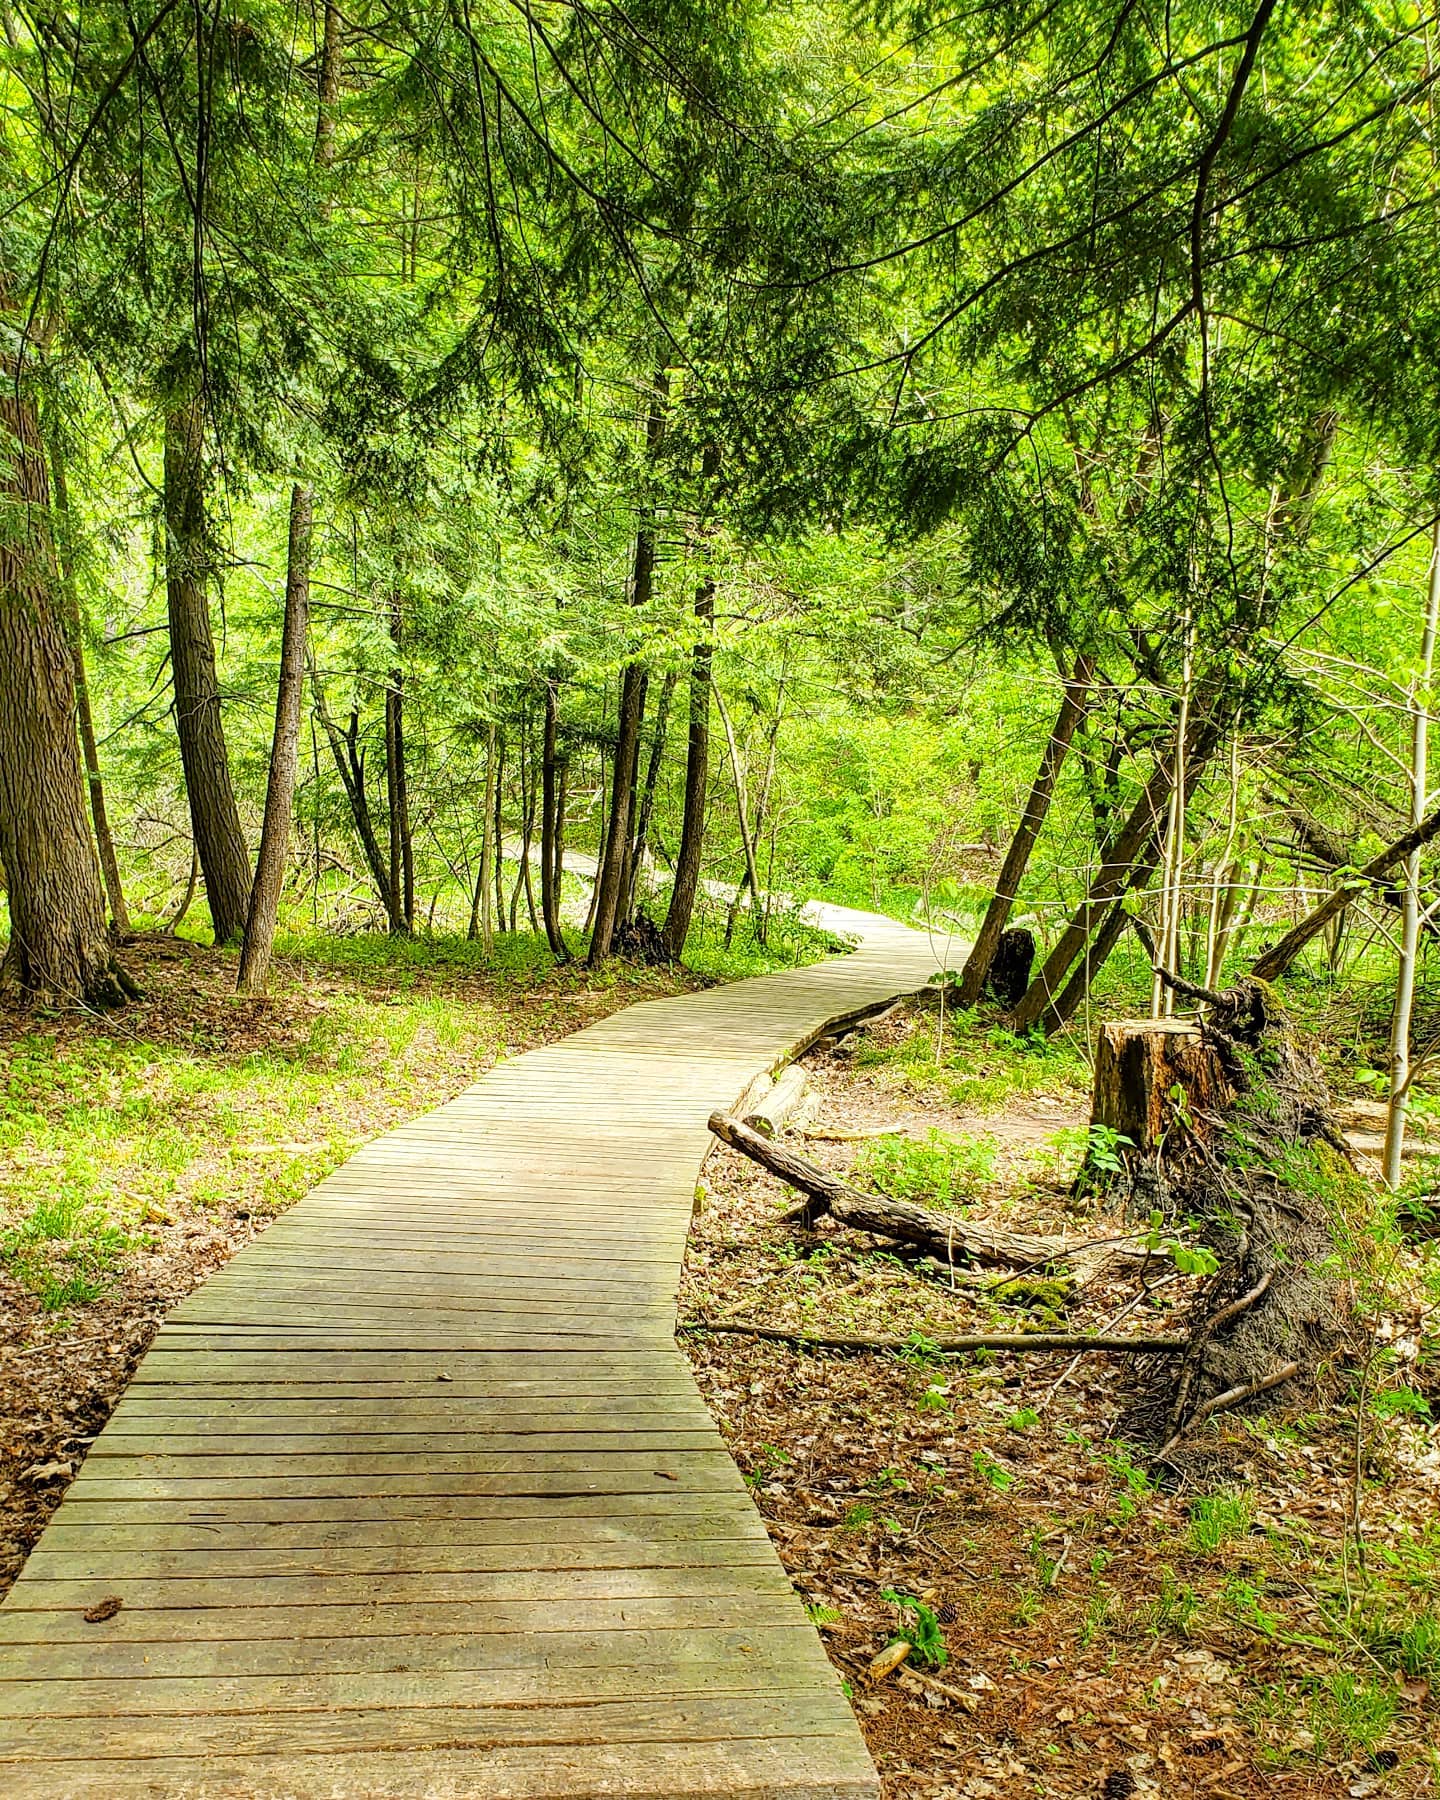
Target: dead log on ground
(768,1116)
(951,1237)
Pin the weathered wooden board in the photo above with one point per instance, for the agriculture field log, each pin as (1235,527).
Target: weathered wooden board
(416,1497)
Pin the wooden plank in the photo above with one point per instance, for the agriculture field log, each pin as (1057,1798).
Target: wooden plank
(695,1719)
(832,1767)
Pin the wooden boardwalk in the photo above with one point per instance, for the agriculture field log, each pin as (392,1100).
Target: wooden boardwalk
(417,1497)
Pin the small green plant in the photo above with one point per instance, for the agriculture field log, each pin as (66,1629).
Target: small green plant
(858,1516)
(1399,1402)
(823,1615)
(1097,1618)
(1132,1483)
(936,1398)
(1023,1420)
(991,1469)
(1217,1518)
(920,1628)
(1349,1713)
(1188,1258)
(1174,1608)
(938,1171)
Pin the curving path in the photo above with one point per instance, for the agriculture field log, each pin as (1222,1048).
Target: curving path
(416,1496)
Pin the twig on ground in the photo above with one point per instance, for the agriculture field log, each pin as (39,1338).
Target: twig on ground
(988,1340)
(1234,1396)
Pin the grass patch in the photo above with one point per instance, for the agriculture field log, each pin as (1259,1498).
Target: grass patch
(936,1171)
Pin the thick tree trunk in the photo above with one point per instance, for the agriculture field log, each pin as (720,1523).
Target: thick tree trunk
(697,780)
(104,839)
(214,817)
(1017,859)
(550,816)
(284,753)
(60,948)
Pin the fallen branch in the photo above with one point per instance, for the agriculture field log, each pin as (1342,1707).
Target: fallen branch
(1235,1396)
(1057,1341)
(948,1236)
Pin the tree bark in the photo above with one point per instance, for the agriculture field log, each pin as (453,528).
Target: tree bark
(550,814)
(697,780)
(60,948)
(214,817)
(499,830)
(1073,707)
(104,839)
(259,941)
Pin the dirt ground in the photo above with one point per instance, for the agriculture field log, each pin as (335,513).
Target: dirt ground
(1097,1642)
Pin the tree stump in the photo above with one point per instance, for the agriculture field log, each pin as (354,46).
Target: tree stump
(1152,1074)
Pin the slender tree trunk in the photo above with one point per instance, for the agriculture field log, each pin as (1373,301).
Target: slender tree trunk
(742,808)
(60,948)
(1162,996)
(1073,707)
(487,849)
(104,840)
(527,839)
(1115,873)
(214,817)
(1410,926)
(284,753)
(350,765)
(192,882)
(499,831)
(1273,963)
(610,883)
(329,94)
(1223,893)
(646,807)
(697,780)
(397,788)
(550,812)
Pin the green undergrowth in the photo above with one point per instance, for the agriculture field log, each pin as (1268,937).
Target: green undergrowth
(969,1061)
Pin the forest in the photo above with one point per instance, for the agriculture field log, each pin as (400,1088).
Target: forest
(512,509)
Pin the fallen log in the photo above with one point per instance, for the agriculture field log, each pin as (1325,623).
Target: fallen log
(951,1237)
(769,1115)
(1058,1342)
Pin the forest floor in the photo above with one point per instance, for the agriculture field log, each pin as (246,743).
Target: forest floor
(139,1151)
(1097,1627)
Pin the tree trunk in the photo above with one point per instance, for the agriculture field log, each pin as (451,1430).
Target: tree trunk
(611,876)
(1273,963)
(697,779)
(1073,706)
(284,753)
(487,849)
(397,793)
(550,814)
(1117,871)
(742,808)
(214,817)
(636,860)
(500,831)
(1072,996)
(350,765)
(104,840)
(1410,930)
(60,948)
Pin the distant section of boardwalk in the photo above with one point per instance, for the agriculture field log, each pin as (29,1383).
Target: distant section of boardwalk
(416,1497)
